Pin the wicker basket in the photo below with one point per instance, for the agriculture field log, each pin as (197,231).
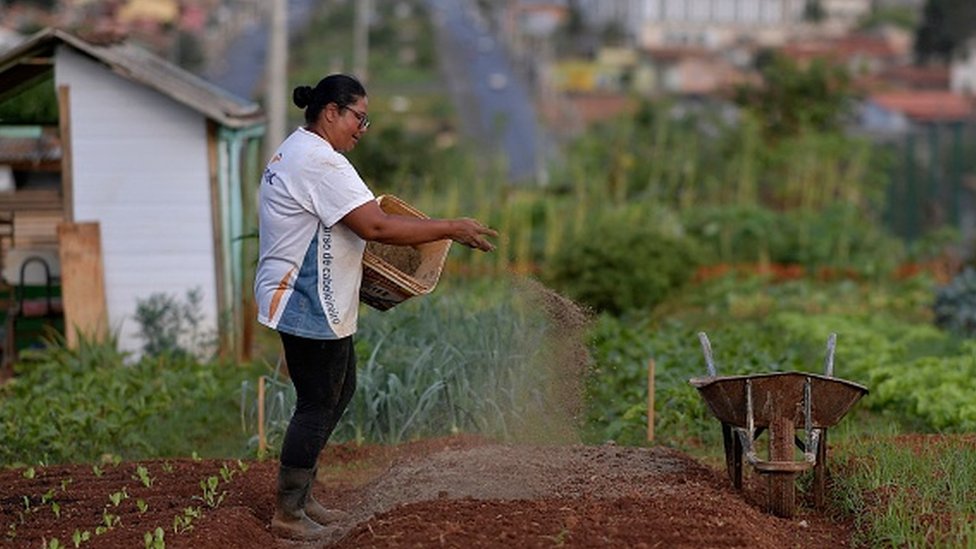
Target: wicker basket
(387,280)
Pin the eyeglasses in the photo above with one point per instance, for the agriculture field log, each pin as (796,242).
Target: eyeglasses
(361,116)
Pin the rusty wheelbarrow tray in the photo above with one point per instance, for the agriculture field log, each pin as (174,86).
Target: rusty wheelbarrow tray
(782,403)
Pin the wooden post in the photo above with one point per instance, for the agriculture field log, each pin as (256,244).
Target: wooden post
(262,440)
(781,486)
(67,160)
(650,400)
(82,282)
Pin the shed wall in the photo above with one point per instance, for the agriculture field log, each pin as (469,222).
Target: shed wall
(140,170)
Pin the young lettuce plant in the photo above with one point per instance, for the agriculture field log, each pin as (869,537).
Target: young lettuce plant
(142,475)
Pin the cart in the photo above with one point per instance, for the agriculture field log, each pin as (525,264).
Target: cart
(782,403)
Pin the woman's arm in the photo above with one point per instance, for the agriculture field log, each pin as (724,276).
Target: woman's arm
(372,223)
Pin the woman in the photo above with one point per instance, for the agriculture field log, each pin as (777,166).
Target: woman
(316,215)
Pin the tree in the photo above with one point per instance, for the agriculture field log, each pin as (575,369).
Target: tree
(946,26)
(793,98)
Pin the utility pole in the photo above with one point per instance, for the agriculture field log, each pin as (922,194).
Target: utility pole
(277,76)
(361,40)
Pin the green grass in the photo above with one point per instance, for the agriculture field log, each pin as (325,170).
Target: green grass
(910,491)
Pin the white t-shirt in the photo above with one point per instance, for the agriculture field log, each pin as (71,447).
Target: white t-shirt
(310,265)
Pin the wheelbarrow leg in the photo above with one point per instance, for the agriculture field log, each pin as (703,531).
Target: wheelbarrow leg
(820,472)
(733,455)
(781,486)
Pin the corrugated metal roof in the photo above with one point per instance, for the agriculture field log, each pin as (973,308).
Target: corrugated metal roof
(135,63)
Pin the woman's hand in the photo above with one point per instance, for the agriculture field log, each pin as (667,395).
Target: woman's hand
(473,234)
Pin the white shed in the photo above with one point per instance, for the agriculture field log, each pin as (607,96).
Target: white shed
(161,160)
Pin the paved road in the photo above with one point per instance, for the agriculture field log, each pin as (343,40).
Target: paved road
(241,72)
(495,107)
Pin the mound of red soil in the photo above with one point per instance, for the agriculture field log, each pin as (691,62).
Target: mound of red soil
(460,491)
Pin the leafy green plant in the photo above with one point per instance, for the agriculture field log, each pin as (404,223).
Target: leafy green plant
(168,325)
(226,473)
(183,522)
(118,497)
(109,521)
(48,497)
(142,475)
(616,266)
(80,404)
(155,539)
(80,536)
(210,496)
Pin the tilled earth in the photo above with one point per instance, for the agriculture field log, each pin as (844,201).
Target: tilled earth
(454,492)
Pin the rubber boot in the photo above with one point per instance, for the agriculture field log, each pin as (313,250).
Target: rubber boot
(318,512)
(290,520)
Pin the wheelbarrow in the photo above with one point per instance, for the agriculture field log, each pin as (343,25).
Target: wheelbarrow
(782,403)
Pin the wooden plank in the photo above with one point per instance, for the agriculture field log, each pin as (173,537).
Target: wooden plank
(36,229)
(83,283)
(31,199)
(67,181)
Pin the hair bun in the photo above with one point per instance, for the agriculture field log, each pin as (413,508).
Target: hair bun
(302,96)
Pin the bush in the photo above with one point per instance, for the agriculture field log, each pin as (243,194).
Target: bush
(955,304)
(736,234)
(168,325)
(615,267)
(839,237)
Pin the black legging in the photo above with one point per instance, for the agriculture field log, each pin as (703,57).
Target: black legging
(324,374)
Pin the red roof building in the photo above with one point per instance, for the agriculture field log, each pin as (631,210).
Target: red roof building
(926,105)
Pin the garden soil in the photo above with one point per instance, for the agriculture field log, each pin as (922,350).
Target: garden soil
(460,491)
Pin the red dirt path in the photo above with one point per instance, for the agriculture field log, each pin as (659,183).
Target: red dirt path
(453,492)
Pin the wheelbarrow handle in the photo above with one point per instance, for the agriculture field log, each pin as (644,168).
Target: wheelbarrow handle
(829,359)
(707,351)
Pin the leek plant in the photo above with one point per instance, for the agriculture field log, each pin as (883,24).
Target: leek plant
(912,491)
(482,360)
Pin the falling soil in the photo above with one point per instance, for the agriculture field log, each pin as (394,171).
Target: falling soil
(561,356)
(405,259)
(457,491)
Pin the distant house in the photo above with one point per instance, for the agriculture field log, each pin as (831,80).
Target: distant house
(718,24)
(861,54)
(693,72)
(898,111)
(916,77)
(160,12)
(162,160)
